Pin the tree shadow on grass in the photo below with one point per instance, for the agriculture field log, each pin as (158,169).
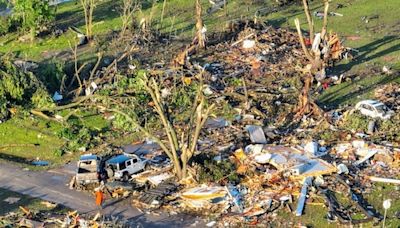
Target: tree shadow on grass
(334,99)
(14,158)
(366,53)
(102,12)
(280,21)
(105,11)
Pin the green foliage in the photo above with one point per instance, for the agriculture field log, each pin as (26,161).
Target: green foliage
(19,88)
(391,128)
(31,15)
(41,99)
(328,135)
(51,73)
(235,82)
(4,25)
(226,111)
(122,123)
(14,82)
(3,108)
(356,121)
(78,137)
(59,152)
(137,101)
(182,97)
(213,171)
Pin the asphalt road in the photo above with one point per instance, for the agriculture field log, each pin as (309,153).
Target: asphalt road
(53,186)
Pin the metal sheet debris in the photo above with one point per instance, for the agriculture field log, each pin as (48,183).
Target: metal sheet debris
(256,134)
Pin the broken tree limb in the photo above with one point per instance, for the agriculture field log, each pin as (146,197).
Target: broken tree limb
(180,59)
(241,40)
(77,70)
(246,94)
(44,116)
(99,57)
(301,39)
(75,103)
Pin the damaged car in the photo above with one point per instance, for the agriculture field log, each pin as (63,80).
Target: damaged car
(374,109)
(88,170)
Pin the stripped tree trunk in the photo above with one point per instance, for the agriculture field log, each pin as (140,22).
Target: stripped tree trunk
(309,20)
(199,26)
(306,104)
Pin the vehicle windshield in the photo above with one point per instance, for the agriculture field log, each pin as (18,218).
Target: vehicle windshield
(381,108)
(113,166)
(87,166)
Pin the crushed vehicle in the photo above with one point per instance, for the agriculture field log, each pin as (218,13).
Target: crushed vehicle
(374,109)
(122,167)
(88,170)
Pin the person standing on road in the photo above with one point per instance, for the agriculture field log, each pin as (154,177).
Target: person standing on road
(99,198)
(99,193)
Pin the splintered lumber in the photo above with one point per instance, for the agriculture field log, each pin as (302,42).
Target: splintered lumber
(303,195)
(384,180)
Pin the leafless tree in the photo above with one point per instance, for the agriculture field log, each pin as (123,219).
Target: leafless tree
(129,7)
(315,58)
(179,151)
(88,8)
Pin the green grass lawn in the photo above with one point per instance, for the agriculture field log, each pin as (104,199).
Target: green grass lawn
(24,140)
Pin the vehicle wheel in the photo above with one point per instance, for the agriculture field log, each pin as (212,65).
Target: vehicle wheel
(110,173)
(78,187)
(125,177)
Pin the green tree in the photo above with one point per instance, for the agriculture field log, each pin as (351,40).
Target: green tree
(31,15)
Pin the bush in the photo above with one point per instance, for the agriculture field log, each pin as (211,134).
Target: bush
(51,73)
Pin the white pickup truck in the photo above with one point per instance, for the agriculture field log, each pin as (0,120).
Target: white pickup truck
(88,171)
(122,167)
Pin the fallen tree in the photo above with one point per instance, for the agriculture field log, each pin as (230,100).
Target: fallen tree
(20,88)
